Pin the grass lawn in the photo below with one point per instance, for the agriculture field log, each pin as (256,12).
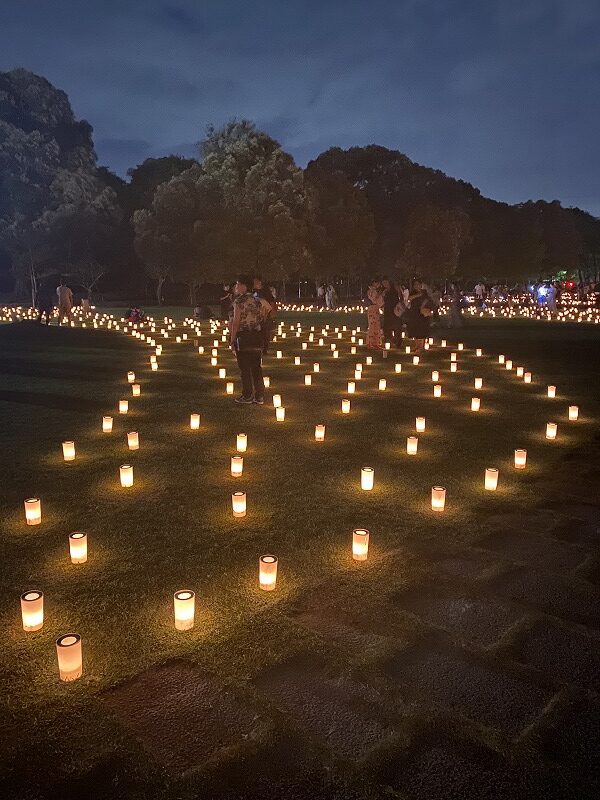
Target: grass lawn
(319,688)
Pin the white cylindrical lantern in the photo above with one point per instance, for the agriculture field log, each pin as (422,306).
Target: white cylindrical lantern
(552,391)
(184,606)
(461,346)
(420,424)
(131,377)
(351,387)
(133,440)
(280,413)
(360,544)
(267,381)
(237,466)
(107,424)
(416,360)
(453,366)
(407,349)
(437,390)
(241,442)
(195,422)
(435,376)
(78,548)
(33,511)
(475,403)
(527,377)
(279,354)
(32,610)
(316,367)
(319,433)
(238,503)
(412,443)
(520,458)
(345,406)
(478,383)
(307,380)
(501,359)
(369,360)
(229,387)
(367,478)
(573,413)
(508,364)
(438,498)
(336,354)
(276,400)
(444,343)
(551,429)
(478,352)
(296,360)
(222,373)
(68,653)
(357,374)
(382,384)
(154,366)
(520,371)
(491,479)
(123,406)
(452,356)
(267,572)
(136,390)
(126,474)
(68,449)
(398,367)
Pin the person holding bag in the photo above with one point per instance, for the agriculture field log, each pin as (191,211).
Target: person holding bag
(247,339)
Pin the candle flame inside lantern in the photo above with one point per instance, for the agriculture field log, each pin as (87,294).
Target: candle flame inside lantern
(68,449)
(32,610)
(438,498)
(78,549)
(360,544)
(267,572)
(238,503)
(367,477)
(68,653)
(184,606)
(520,458)
(491,479)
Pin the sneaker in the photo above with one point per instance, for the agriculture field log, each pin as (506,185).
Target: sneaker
(244,400)
(259,401)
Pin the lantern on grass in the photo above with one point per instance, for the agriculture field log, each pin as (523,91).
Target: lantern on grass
(296,360)
(238,503)
(452,356)
(527,377)
(382,384)
(153,359)
(126,475)
(437,390)
(33,511)
(551,430)
(520,458)
(398,367)
(154,366)
(412,443)
(478,383)
(279,354)
(68,449)
(351,387)
(435,376)
(307,380)
(280,413)
(353,350)
(241,442)
(107,424)
(509,364)
(32,610)
(184,606)
(336,354)
(520,371)
(357,374)
(213,361)
(573,413)
(267,381)
(319,433)
(229,387)
(78,547)
(407,349)
(316,367)
(367,478)
(194,421)
(345,406)
(360,544)
(438,498)
(131,377)
(552,391)
(444,343)
(133,440)
(222,373)
(369,360)
(304,346)
(68,653)
(267,572)
(501,359)
(136,390)
(420,424)
(461,346)
(237,466)
(276,400)
(475,403)
(416,360)
(453,366)
(123,406)
(491,479)
(478,352)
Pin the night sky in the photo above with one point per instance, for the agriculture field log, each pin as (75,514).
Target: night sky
(502,93)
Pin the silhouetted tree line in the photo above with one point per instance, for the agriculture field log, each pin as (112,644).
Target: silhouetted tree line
(245,204)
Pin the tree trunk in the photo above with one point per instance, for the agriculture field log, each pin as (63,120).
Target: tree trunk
(159,287)
(33,279)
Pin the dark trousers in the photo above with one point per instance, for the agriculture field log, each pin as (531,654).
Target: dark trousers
(391,328)
(250,364)
(267,332)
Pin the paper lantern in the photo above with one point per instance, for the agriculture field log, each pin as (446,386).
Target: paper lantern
(452,356)
(33,511)
(123,406)
(195,421)
(509,364)
(304,346)
(520,458)
(416,360)
(229,387)
(478,352)
(68,449)
(501,359)
(336,354)
(420,424)
(520,371)
(438,498)
(184,606)
(398,367)
(78,547)
(213,361)
(353,351)
(412,443)
(552,391)
(267,381)
(491,479)
(107,424)
(367,478)
(154,367)
(279,354)
(369,360)
(276,400)
(437,390)
(237,466)
(136,390)
(126,475)
(382,384)
(475,403)
(316,367)
(238,503)
(461,346)
(407,349)
(357,374)
(551,429)
(478,383)
(222,373)
(131,377)
(319,433)
(345,406)
(573,413)
(435,376)
(453,367)
(267,572)
(527,377)
(444,343)
(361,342)
(360,544)
(133,440)
(153,359)
(297,360)
(351,387)
(32,610)
(241,442)
(307,380)
(68,653)
(280,413)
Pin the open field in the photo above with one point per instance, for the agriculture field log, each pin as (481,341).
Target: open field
(461,659)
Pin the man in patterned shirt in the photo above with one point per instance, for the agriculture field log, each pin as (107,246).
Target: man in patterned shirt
(247,339)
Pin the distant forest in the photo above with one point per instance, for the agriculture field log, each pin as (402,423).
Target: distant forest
(177,224)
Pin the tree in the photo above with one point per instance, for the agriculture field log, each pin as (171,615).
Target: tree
(435,238)
(147,176)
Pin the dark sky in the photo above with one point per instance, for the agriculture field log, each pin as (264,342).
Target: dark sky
(502,93)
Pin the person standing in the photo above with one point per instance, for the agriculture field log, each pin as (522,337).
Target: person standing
(45,304)
(246,339)
(418,315)
(390,301)
(263,292)
(375,302)
(330,297)
(456,304)
(65,303)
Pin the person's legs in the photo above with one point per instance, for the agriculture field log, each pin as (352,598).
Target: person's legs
(257,377)
(244,359)
(267,331)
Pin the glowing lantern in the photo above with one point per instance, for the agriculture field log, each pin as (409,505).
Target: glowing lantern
(133,440)
(369,360)
(351,387)
(501,359)
(357,374)
(136,390)
(452,356)
(444,343)
(213,361)
(412,443)
(461,346)
(551,429)
(222,373)
(420,424)
(382,384)
(491,479)
(279,354)
(478,352)
(153,359)
(194,421)
(32,610)
(307,380)
(68,653)
(552,391)
(478,383)
(361,342)
(297,360)
(237,466)
(475,403)
(238,503)
(520,458)
(407,349)
(435,376)
(453,366)
(68,449)
(319,433)
(241,442)
(437,390)
(398,368)
(107,423)
(527,377)
(267,382)
(416,360)
(229,387)
(78,547)
(336,354)
(304,346)
(438,498)
(280,413)
(520,371)
(33,511)
(508,364)
(367,477)
(316,367)
(131,377)
(360,544)
(276,400)
(123,406)
(126,474)
(345,406)
(154,366)
(267,572)
(184,603)
(353,351)
(573,413)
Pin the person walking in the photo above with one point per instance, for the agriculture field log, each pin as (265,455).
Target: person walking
(330,297)
(45,302)
(247,340)
(418,315)
(375,302)
(390,301)
(65,303)
(263,292)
